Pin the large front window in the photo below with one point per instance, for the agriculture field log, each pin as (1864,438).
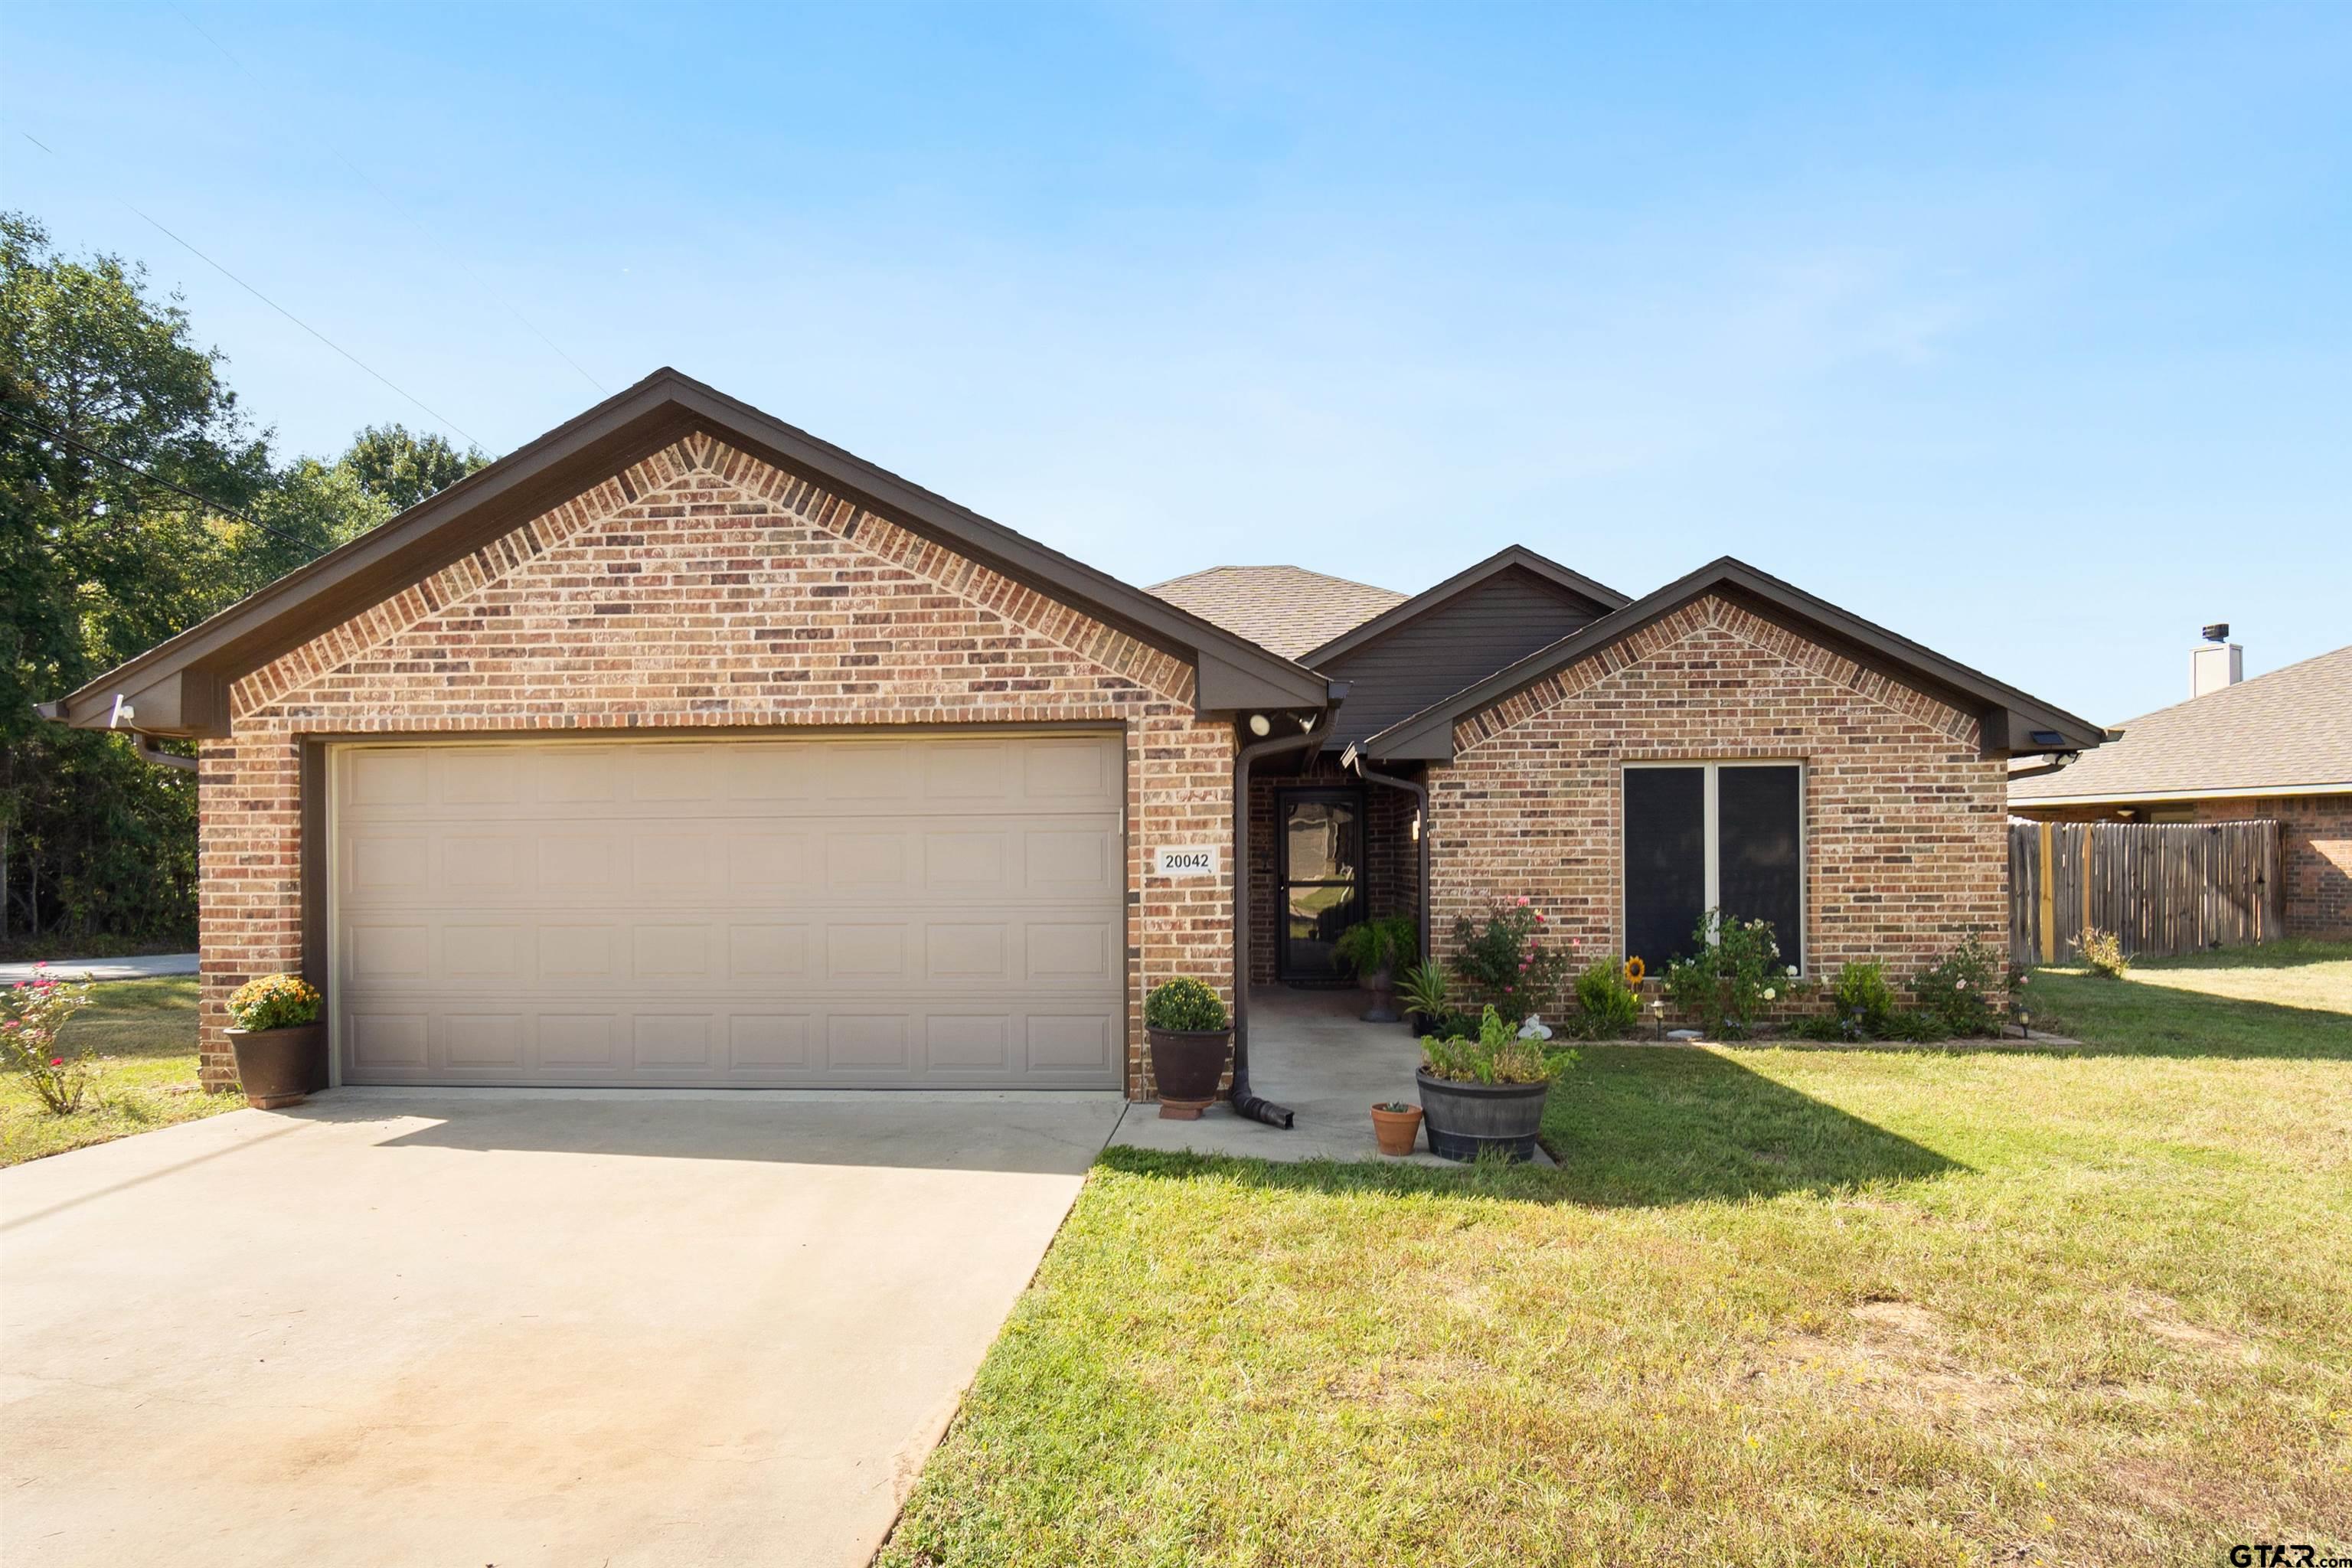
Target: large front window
(1704,836)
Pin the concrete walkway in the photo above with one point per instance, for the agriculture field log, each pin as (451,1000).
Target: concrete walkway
(148,968)
(635,1329)
(1311,1051)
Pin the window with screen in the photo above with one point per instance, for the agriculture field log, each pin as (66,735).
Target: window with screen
(1704,836)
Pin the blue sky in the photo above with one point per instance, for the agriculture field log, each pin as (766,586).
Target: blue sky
(2024,330)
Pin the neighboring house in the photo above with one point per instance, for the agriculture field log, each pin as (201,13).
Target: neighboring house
(2279,746)
(680,748)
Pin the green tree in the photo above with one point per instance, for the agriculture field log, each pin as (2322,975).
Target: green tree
(98,564)
(392,464)
(104,392)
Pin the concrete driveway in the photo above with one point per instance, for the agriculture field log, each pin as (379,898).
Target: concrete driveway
(512,1327)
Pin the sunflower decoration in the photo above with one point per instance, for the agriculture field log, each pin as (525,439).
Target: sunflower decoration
(1636,971)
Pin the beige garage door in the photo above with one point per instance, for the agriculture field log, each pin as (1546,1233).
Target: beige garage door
(936,911)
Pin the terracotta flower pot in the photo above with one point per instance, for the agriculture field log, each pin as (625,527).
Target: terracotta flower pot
(1398,1131)
(1187,1065)
(279,1067)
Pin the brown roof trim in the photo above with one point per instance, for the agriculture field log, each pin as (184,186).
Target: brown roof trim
(1428,599)
(2011,717)
(625,429)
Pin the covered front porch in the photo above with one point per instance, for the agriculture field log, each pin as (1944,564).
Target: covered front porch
(1311,1051)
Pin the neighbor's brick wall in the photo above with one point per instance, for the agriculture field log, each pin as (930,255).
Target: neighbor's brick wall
(1904,848)
(2315,847)
(703,588)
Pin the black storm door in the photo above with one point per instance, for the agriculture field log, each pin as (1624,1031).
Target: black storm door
(1322,890)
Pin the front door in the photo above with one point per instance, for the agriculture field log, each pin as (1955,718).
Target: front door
(1322,877)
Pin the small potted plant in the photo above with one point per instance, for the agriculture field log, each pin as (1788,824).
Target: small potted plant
(280,1045)
(1428,998)
(1488,1093)
(1373,949)
(1397,1125)
(1189,1030)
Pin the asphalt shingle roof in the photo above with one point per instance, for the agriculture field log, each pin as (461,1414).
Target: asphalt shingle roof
(2289,728)
(1284,609)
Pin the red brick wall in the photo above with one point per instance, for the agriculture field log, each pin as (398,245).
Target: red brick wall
(1904,851)
(703,588)
(2315,847)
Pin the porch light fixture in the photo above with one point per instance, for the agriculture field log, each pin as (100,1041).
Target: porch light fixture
(1260,725)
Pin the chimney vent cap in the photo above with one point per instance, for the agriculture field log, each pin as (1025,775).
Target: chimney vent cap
(2218,632)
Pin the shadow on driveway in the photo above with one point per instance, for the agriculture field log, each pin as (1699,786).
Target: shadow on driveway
(1032,1133)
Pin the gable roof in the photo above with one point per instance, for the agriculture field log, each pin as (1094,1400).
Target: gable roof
(180,686)
(2286,733)
(1286,608)
(2014,723)
(1510,556)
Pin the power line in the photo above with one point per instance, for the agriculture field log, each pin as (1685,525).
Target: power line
(426,228)
(438,417)
(104,456)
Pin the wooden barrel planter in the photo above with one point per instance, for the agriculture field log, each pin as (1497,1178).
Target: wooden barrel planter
(1464,1119)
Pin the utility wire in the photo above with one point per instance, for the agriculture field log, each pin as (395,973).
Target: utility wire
(438,418)
(365,178)
(103,456)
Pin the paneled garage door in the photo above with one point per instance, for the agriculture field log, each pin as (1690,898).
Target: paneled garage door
(936,911)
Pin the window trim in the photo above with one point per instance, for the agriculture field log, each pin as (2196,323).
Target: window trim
(1710,835)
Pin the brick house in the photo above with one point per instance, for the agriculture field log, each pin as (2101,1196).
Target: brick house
(2278,746)
(680,748)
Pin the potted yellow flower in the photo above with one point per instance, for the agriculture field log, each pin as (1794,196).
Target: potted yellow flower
(280,1045)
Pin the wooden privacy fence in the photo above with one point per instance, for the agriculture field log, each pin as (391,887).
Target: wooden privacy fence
(2161,886)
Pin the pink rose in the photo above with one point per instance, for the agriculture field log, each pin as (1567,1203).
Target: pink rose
(57,1061)
(1523,902)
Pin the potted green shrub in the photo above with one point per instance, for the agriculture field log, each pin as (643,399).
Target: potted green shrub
(280,1045)
(1189,1029)
(1488,1093)
(1428,997)
(1374,949)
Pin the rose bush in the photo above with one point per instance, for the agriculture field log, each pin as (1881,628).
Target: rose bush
(38,1010)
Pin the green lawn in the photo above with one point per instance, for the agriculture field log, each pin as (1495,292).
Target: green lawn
(145,1034)
(1782,1307)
